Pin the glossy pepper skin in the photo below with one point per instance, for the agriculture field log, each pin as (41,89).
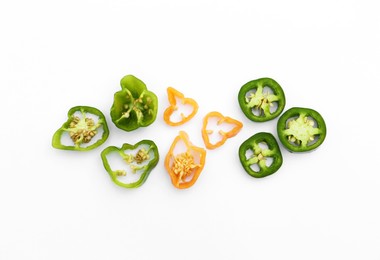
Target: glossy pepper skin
(173,95)
(301,129)
(256,102)
(184,168)
(81,129)
(250,153)
(221,119)
(142,160)
(134,105)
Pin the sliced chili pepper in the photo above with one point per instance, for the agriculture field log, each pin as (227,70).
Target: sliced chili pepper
(143,161)
(184,168)
(82,129)
(301,129)
(134,106)
(173,95)
(257,104)
(252,153)
(224,135)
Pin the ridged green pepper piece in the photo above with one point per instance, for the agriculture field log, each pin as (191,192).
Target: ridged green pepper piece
(134,106)
(301,129)
(81,129)
(250,153)
(141,161)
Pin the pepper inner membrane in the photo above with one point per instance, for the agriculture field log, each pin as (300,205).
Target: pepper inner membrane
(68,136)
(259,156)
(302,130)
(184,162)
(136,107)
(262,101)
(181,111)
(125,166)
(215,131)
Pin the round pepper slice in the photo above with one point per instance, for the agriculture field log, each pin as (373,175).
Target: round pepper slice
(260,150)
(261,99)
(301,129)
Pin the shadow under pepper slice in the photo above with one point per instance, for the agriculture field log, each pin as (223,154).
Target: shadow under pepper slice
(301,129)
(184,168)
(134,106)
(82,129)
(260,104)
(260,150)
(174,94)
(142,160)
(224,135)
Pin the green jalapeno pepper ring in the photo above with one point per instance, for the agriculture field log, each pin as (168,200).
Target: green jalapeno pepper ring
(301,129)
(259,155)
(252,97)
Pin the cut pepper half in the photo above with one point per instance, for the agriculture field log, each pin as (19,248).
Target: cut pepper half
(173,95)
(260,155)
(261,99)
(184,166)
(83,129)
(140,158)
(237,125)
(301,129)
(134,106)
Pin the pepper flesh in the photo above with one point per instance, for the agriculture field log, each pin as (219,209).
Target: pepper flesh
(184,168)
(173,95)
(224,135)
(301,129)
(134,106)
(141,160)
(81,129)
(256,104)
(259,155)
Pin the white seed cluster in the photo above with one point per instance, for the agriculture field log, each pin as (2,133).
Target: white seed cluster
(263,100)
(306,124)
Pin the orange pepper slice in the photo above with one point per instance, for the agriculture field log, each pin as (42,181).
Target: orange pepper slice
(184,168)
(224,135)
(174,94)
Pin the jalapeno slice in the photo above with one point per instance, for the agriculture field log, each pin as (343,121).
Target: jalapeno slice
(261,99)
(301,129)
(260,155)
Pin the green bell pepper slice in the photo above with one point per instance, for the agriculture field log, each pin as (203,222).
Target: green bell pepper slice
(82,129)
(260,104)
(141,162)
(134,106)
(301,129)
(257,150)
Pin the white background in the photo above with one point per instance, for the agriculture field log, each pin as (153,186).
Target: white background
(58,204)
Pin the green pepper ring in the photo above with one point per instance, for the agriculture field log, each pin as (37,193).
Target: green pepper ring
(261,101)
(303,129)
(260,155)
